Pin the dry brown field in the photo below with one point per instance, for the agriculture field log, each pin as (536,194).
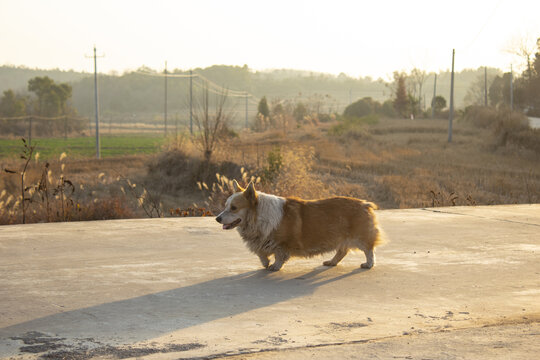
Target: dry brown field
(395,163)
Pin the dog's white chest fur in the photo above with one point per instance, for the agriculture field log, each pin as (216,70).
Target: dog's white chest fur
(258,227)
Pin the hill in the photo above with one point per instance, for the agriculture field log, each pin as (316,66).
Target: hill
(139,95)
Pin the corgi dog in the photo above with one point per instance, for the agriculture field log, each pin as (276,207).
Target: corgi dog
(286,227)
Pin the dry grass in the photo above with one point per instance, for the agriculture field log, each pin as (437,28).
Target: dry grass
(96,193)
(411,164)
(395,163)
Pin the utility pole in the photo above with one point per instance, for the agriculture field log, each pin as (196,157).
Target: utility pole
(30,131)
(511,88)
(176,129)
(485,87)
(246,110)
(451,116)
(165,105)
(434,95)
(191,102)
(96,104)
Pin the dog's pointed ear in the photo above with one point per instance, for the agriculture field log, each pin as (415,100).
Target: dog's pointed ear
(237,187)
(250,193)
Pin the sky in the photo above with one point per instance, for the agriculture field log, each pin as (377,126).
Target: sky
(358,38)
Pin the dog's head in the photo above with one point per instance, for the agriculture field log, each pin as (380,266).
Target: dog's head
(237,206)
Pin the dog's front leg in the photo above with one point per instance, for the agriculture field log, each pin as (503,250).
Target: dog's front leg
(281,256)
(264,260)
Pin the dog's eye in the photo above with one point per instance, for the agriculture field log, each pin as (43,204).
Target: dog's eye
(233,207)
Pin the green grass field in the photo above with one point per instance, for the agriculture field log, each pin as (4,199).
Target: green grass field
(84,147)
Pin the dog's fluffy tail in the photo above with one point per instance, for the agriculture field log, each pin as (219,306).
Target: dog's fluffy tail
(380,237)
(371,205)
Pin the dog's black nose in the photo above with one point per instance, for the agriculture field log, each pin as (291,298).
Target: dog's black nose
(218,219)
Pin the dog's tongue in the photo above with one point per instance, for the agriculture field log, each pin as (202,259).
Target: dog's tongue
(226,226)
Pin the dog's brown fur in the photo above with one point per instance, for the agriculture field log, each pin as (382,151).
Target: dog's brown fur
(305,227)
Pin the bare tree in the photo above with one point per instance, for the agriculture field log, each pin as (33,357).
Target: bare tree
(416,82)
(210,123)
(524,47)
(476,91)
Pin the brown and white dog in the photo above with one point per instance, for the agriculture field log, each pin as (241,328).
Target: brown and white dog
(285,227)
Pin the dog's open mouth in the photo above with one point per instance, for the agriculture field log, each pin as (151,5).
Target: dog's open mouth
(231,225)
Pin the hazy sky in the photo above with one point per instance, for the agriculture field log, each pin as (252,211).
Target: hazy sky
(356,37)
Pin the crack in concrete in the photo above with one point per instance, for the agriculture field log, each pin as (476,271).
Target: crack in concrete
(480,217)
(228,354)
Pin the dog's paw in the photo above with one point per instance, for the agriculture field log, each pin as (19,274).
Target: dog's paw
(273,267)
(329,263)
(366,266)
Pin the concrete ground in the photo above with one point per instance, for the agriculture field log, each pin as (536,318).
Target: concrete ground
(460,282)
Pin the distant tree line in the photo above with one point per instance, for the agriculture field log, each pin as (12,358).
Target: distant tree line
(46,102)
(132,95)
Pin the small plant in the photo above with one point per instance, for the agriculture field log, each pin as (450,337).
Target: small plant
(441,199)
(26,155)
(42,188)
(223,188)
(63,191)
(149,202)
(190,211)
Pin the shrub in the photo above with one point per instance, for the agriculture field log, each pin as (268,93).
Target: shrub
(327,117)
(353,127)
(508,123)
(480,116)
(174,170)
(508,127)
(295,177)
(274,163)
(388,110)
(104,209)
(362,108)
(526,138)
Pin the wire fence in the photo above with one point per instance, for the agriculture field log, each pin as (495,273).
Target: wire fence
(124,130)
(31,126)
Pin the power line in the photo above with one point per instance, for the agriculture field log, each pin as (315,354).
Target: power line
(222,91)
(163,75)
(217,87)
(213,86)
(484,25)
(210,82)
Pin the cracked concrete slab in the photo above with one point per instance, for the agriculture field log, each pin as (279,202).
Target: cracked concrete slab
(183,288)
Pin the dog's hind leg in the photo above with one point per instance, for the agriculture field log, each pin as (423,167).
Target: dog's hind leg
(264,260)
(281,256)
(340,254)
(370,259)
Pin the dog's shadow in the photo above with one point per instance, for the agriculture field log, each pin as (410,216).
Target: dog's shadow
(146,317)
